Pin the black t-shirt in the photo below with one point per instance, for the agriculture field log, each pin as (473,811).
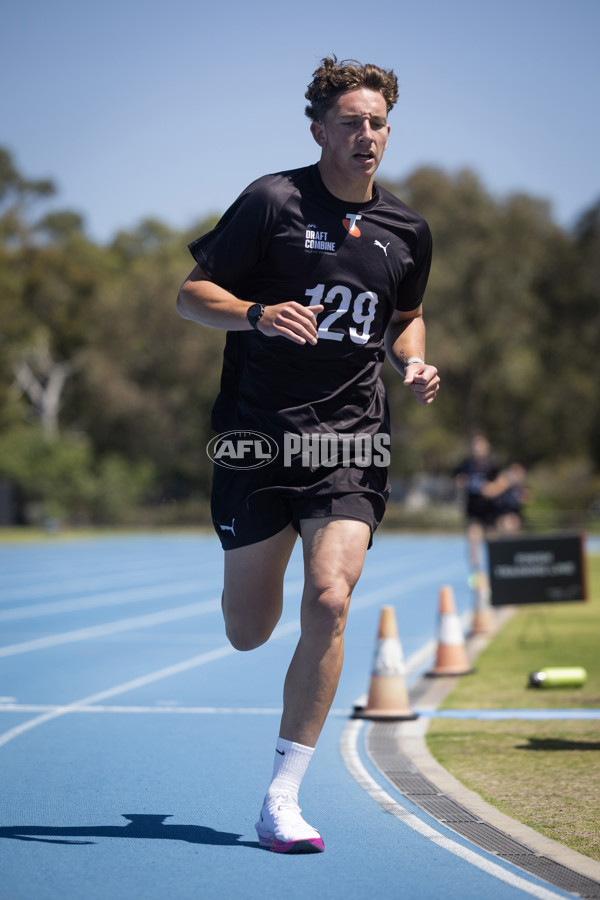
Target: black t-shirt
(477,473)
(287,238)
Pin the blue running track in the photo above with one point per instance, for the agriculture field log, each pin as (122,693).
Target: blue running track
(136,745)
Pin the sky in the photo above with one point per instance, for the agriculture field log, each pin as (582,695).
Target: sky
(169,109)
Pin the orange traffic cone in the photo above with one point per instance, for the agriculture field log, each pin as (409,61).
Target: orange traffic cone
(483,621)
(388,697)
(451,655)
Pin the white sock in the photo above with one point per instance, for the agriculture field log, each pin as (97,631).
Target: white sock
(291,762)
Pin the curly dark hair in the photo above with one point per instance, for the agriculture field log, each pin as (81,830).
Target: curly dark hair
(333,78)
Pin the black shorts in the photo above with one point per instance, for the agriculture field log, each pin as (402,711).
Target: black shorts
(249,506)
(482,511)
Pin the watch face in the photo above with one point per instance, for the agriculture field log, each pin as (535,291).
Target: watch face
(254,313)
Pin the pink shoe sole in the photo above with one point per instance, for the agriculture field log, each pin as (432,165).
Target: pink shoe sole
(270,842)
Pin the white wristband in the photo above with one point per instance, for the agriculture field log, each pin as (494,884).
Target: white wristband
(413,359)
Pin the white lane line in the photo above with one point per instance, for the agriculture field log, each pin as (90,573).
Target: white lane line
(51,581)
(527,714)
(402,585)
(167,672)
(134,595)
(352,761)
(147,621)
(356,768)
(56,583)
(150,710)
(126,595)
(281,631)
(184,666)
(95,631)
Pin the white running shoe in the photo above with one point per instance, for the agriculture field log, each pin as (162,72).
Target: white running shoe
(282,829)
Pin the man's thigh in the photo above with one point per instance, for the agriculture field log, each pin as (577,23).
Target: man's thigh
(334,552)
(253,578)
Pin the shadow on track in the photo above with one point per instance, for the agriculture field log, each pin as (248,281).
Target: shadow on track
(140,826)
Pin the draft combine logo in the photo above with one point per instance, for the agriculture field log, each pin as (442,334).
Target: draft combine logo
(350,225)
(318,240)
(242,450)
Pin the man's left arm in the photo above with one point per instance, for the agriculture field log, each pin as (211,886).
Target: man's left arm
(405,348)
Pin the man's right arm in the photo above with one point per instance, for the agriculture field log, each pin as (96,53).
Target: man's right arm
(205,302)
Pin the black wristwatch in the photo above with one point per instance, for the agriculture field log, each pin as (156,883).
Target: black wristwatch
(254,313)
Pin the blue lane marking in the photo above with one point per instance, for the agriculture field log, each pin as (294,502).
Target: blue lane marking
(533,715)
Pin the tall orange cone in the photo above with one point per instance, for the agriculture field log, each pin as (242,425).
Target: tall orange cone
(388,696)
(451,655)
(483,621)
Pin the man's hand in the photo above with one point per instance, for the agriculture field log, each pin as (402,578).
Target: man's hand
(292,321)
(424,382)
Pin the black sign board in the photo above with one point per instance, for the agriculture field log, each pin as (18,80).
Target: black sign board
(537,570)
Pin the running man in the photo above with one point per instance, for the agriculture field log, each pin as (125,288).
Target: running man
(315,273)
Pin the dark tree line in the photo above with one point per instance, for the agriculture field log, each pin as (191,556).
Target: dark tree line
(105,392)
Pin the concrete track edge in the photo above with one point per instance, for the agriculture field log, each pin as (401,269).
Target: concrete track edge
(428,694)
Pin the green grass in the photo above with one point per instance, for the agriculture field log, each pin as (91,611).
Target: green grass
(544,774)
(26,534)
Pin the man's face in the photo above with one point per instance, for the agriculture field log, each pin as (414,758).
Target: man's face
(353,134)
(480,447)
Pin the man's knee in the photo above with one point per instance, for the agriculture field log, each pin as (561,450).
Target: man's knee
(245,636)
(328,607)
(246,630)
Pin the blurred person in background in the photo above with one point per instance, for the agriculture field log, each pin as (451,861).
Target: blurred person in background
(508,494)
(473,477)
